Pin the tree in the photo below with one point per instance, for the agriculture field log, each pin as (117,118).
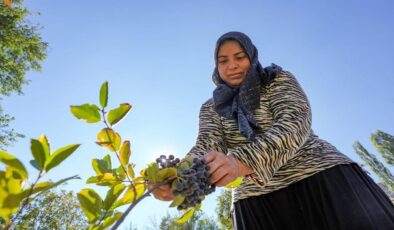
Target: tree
(384,144)
(198,221)
(21,50)
(52,210)
(223,209)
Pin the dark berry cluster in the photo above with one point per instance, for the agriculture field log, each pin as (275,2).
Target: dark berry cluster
(169,162)
(194,184)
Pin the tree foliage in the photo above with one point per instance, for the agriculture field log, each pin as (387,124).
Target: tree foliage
(7,134)
(15,192)
(197,221)
(223,209)
(52,210)
(384,143)
(21,50)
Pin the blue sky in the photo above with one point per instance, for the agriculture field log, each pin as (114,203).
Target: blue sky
(158,56)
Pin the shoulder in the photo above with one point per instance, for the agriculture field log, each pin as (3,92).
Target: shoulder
(284,75)
(208,109)
(208,104)
(283,79)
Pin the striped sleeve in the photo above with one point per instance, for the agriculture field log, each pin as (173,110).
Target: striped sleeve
(290,129)
(210,134)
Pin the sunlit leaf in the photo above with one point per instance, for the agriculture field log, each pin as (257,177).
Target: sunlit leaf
(88,112)
(104,94)
(130,171)
(108,179)
(12,201)
(165,174)
(60,155)
(151,171)
(102,166)
(45,145)
(120,172)
(38,152)
(186,216)
(13,162)
(109,138)
(133,193)
(49,185)
(184,164)
(234,183)
(6,213)
(115,115)
(111,219)
(91,180)
(125,153)
(177,201)
(42,186)
(112,195)
(140,188)
(91,204)
(13,185)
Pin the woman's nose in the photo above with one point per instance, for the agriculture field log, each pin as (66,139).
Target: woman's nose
(233,65)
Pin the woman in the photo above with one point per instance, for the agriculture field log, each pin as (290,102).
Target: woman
(258,125)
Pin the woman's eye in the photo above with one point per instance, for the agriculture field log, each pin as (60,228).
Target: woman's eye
(222,61)
(241,57)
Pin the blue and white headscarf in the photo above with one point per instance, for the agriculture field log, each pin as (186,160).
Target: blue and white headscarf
(239,102)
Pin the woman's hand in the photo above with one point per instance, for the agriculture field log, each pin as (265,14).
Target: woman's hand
(164,193)
(224,169)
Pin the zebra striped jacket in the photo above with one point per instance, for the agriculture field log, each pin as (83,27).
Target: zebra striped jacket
(285,150)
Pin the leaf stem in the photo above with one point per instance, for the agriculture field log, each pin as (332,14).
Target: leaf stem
(116,152)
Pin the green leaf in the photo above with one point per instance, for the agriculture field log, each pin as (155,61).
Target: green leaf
(111,219)
(107,179)
(133,193)
(12,201)
(42,186)
(102,166)
(60,155)
(88,112)
(14,163)
(91,204)
(45,145)
(115,115)
(120,173)
(51,185)
(34,164)
(234,183)
(177,201)
(186,216)
(109,138)
(151,171)
(125,153)
(38,153)
(91,180)
(184,164)
(112,195)
(130,171)
(104,94)
(165,174)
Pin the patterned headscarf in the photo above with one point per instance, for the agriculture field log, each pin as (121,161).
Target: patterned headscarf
(239,102)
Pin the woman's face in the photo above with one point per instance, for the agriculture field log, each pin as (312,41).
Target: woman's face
(233,63)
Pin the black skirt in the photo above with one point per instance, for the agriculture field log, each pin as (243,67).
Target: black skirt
(342,197)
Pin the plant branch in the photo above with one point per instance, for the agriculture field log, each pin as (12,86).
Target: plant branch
(132,205)
(116,152)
